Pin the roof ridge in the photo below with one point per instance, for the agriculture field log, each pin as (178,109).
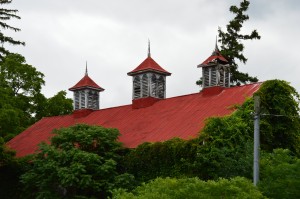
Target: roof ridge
(184,95)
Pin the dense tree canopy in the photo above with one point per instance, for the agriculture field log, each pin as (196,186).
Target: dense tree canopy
(10,170)
(192,188)
(280,174)
(21,100)
(231,42)
(81,162)
(280,120)
(59,104)
(5,15)
(22,78)
(227,148)
(20,83)
(6,155)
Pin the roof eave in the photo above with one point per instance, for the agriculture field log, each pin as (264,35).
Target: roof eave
(88,87)
(132,73)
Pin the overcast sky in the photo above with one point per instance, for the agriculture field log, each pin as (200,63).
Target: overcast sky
(112,36)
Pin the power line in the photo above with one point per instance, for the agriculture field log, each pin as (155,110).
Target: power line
(275,115)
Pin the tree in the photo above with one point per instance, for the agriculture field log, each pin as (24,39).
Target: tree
(20,86)
(280,174)
(81,162)
(227,150)
(10,120)
(7,14)
(172,188)
(21,100)
(280,120)
(21,77)
(6,155)
(10,171)
(232,47)
(59,104)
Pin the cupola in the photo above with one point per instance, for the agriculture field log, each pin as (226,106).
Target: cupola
(86,93)
(215,70)
(149,79)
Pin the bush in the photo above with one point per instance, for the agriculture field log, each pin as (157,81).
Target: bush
(189,188)
(280,175)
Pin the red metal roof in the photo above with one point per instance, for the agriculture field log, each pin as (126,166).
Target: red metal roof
(216,55)
(149,65)
(212,59)
(182,116)
(86,82)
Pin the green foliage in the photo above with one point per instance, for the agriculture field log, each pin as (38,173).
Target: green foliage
(21,100)
(161,159)
(190,188)
(224,149)
(6,155)
(20,83)
(232,47)
(10,121)
(10,171)
(59,104)
(81,162)
(227,146)
(5,15)
(280,175)
(21,77)
(280,122)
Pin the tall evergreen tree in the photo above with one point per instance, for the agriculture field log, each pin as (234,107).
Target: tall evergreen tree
(231,42)
(5,15)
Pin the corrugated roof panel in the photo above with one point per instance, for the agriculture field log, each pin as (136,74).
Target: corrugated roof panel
(181,116)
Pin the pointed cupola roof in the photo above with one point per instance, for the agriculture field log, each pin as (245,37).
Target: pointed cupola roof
(149,65)
(215,57)
(86,82)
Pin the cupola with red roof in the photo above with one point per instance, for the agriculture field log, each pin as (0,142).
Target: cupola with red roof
(215,70)
(149,79)
(86,93)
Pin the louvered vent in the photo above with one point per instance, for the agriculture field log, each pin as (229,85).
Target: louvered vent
(136,87)
(213,79)
(145,86)
(161,87)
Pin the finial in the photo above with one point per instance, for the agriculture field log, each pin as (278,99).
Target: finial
(86,70)
(216,50)
(149,53)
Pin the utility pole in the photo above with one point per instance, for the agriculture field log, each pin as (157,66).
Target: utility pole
(256,140)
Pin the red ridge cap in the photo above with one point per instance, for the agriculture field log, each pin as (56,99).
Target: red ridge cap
(149,65)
